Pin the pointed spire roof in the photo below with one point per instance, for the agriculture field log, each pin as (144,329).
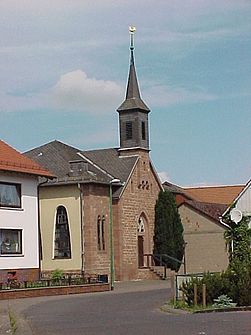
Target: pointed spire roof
(133,99)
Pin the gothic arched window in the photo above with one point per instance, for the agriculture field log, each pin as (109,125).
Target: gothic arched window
(141,226)
(62,243)
(101,232)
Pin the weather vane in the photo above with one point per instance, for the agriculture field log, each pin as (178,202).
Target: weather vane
(132,30)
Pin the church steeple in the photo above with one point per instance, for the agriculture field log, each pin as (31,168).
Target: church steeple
(133,112)
(133,98)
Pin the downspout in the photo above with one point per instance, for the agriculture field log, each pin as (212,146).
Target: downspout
(40,250)
(81,200)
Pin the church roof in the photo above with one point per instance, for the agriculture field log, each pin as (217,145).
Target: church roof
(13,161)
(57,157)
(103,164)
(109,160)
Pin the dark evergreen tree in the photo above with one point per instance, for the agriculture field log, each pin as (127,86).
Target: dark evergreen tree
(168,230)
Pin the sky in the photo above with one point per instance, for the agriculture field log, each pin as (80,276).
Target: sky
(64,68)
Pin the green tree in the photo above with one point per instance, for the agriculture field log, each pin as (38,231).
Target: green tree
(168,230)
(238,240)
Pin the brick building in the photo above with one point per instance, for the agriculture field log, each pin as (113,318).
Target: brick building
(75,208)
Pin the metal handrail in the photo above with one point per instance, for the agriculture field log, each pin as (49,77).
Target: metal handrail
(159,258)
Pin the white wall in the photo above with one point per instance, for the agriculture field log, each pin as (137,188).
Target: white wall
(26,219)
(244,202)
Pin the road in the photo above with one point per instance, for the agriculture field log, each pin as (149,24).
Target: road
(127,311)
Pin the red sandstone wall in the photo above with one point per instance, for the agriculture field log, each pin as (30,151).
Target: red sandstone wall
(21,274)
(96,202)
(139,197)
(52,291)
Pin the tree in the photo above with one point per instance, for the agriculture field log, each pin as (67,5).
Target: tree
(168,231)
(238,241)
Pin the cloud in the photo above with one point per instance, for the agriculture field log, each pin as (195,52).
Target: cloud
(76,91)
(162,95)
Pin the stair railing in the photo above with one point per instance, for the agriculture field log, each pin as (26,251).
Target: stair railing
(159,259)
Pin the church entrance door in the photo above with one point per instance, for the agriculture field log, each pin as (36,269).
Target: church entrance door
(140,251)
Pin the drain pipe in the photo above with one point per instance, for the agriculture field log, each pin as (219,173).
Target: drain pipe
(40,247)
(81,200)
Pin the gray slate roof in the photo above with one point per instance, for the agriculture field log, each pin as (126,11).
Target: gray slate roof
(109,160)
(133,99)
(103,164)
(173,188)
(56,157)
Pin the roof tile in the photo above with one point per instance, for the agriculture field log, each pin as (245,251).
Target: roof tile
(14,161)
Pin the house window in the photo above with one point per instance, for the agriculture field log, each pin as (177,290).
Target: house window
(128,130)
(101,232)
(10,195)
(143,130)
(62,246)
(11,241)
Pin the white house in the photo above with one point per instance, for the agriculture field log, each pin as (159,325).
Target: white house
(19,225)
(242,205)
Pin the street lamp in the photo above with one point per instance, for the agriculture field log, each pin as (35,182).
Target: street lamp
(114,181)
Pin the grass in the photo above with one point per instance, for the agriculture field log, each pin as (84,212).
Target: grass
(182,305)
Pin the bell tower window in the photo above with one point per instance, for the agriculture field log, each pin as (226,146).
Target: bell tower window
(129,130)
(143,130)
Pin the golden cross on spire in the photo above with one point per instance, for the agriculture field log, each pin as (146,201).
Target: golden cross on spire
(132,30)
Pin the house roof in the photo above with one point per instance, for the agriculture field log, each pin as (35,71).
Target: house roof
(13,161)
(212,210)
(215,194)
(173,188)
(103,164)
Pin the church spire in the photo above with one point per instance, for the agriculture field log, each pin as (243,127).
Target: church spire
(133,99)
(133,112)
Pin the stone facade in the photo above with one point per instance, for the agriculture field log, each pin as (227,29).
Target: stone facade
(95,205)
(137,203)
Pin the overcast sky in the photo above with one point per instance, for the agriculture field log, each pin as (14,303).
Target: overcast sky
(64,67)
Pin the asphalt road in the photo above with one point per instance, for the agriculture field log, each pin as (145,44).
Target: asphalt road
(127,311)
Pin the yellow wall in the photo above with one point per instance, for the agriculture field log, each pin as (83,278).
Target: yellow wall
(205,249)
(50,198)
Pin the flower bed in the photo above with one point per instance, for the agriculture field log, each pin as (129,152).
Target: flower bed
(14,289)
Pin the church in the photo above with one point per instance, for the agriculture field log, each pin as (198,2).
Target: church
(97,215)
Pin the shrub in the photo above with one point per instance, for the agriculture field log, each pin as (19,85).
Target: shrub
(235,282)
(223,301)
(57,275)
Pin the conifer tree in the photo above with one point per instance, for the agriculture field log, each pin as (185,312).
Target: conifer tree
(168,230)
